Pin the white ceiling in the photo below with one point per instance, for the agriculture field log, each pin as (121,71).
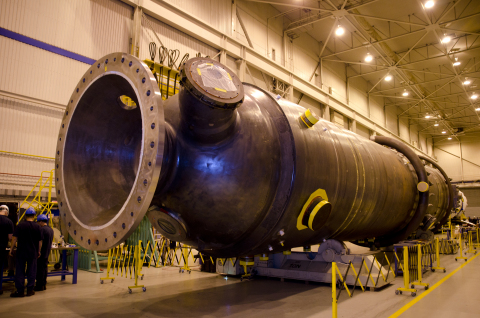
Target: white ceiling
(404,38)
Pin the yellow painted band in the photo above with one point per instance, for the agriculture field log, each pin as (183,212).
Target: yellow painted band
(220,89)
(301,117)
(425,293)
(198,71)
(211,64)
(314,213)
(287,252)
(229,76)
(310,117)
(317,193)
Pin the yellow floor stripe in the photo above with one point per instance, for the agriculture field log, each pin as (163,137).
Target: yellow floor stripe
(417,299)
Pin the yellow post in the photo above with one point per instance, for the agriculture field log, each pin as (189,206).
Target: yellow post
(109,264)
(137,267)
(462,256)
(420,269)
(406,276)
(184,253)
(437,253)
(478,239)
(334,290)
(470,244)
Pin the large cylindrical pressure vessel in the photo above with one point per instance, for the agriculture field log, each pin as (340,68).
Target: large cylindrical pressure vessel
(226,167)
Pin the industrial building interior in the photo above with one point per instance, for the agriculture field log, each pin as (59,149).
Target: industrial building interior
(260,158)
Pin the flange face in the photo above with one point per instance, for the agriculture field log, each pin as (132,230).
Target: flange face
(109,151)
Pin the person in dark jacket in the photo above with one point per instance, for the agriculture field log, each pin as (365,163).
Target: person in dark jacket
(42,262)
(29,237)
(6,232)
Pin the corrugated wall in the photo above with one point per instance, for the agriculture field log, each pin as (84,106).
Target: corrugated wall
(217,13)
(29,129)
(92,28)
(35,84)
(171,39)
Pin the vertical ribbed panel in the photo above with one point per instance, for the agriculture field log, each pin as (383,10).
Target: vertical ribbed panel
(27,128)
(90,28)
(36,73)
(217,13)
(172,39)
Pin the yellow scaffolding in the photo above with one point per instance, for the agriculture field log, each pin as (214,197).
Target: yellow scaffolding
(35,202)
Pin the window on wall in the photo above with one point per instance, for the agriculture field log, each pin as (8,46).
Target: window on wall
(273,54)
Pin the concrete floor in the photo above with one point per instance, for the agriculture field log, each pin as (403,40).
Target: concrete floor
(171,294)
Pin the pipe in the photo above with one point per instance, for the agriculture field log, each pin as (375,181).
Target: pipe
(224,166)
(422,187)
(450,191)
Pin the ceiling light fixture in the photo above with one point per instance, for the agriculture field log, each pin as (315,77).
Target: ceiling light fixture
(388,77)
(446,39)
(444,132)
(368,58)
(429,4)
(456,63)
(427,116)
(467,82)
(477,109)
(449,138)
(339,30)
(436,124)
(474,96)
(405,93)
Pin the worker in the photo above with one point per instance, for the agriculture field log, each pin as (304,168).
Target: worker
(29,237)
(6,232)
(42,262)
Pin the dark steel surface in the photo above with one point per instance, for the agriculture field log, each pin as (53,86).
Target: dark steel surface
(234,176)
(108,158)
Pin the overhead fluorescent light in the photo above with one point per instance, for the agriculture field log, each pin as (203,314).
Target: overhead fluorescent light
(388,78)
(368,58)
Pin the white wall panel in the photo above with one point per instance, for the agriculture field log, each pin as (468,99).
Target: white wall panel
(376,110)
(334,77)
(363,131)
(33,72)
(217,13)
(404,131)
(391,116)
(358,95)
(171,39)
(26,128)
(414,135)
(309,103)
(92,28)
(448,156)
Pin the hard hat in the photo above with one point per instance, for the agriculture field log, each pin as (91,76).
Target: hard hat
(42,218)
(4,207)
(30,211)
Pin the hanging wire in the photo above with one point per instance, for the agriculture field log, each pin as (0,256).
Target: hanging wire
(152,47)
(173,56)
(183,60)
(162,54)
